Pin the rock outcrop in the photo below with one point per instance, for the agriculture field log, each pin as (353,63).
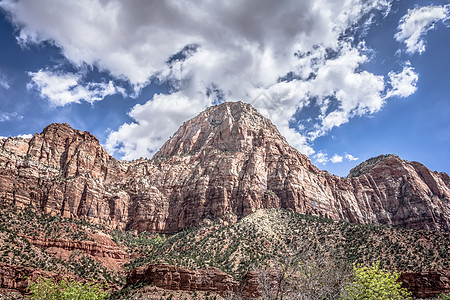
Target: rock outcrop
(63,172)
(169,277)
(18,278)
(227,160)
(177,278)
(92,248)
(427,284)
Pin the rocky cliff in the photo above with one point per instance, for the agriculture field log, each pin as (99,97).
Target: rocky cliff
(168,277)
(229,160)
(178,278)
(427,284)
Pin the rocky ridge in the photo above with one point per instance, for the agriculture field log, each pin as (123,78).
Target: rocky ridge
(227,160)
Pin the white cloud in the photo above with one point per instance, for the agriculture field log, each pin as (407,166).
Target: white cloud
(64,88)
(321,158)
(403,83)
(244,48)
(354,92)
(133,39)
(416,23)
(7,116)
(149,132)
(4,84)
(23,136)
(336,159)
(351,157)
(3,81)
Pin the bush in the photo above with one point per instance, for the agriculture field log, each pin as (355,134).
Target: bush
(65,289)
(374,283)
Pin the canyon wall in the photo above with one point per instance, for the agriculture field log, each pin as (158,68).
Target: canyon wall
(228,159)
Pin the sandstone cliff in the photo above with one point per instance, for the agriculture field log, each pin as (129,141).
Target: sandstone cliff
(178,278)
(227,160)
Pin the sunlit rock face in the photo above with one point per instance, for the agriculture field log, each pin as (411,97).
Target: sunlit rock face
(229,160)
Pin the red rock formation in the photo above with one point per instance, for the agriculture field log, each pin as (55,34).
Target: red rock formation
(231,159)
(177,278)
(18,278)
(422,285)
(427,284)
(228,159)
(94,249)
(64,171)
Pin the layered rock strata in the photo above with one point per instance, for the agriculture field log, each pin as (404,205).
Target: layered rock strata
(89,247)
(177,278)
(18,278)
(427,284)
(227,160)
(422,284)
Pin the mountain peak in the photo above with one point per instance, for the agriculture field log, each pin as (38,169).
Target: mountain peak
(230,126)
(371,163)
(236,163)
(62,131)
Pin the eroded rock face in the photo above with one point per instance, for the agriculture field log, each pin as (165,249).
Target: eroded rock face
(92,248)
(169,277)
(177,278)
(18,278)
(228,159)
(427,284)
(66,172)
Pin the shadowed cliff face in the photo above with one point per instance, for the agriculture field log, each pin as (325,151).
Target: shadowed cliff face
(228,159)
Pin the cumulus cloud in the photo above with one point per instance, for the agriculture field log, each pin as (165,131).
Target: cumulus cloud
(64,88)
(350,157)
(416,23)
(134,38)
(404,83)
(321,158)
(149,131)
(279,56)
(353,92)
(336,159)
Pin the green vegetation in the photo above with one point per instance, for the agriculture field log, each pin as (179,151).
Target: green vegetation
(260,237)
(18,227)
(139,243)
(375,283)
(65,289)
(259,241)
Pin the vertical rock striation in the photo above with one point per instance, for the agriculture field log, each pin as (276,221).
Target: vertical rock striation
(228,159)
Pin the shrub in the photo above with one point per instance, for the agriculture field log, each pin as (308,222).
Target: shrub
(374,283)
(65,289)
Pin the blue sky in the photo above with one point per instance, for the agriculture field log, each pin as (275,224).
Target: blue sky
(342,80)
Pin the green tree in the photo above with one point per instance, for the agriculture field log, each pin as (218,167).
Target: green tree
(65,289)
(444,296)
(375,283)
